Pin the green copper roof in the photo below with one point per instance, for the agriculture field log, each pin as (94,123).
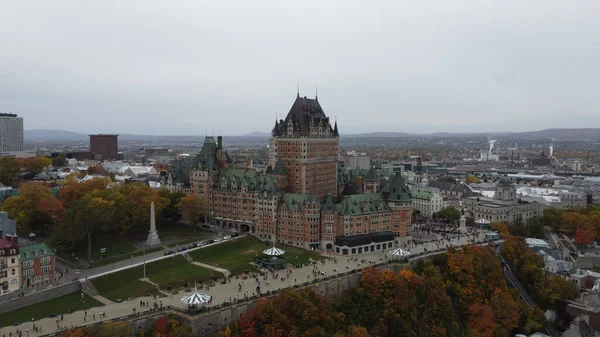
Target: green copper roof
(396,189)
(365,203)
(279,168)
(290,200)
(207,157)
(253,180)
(329,206)
(421,195)
(371,176)
(33,250)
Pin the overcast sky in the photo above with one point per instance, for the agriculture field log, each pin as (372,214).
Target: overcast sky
(188,67)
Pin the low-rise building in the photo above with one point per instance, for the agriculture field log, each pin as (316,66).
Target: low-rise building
(37,264)
(10,270)
(427,202)
(505,206)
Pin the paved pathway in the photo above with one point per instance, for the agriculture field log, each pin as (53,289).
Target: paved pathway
(226,292)
(225,272)
(101,299)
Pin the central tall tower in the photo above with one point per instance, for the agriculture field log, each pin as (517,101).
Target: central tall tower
(307,144)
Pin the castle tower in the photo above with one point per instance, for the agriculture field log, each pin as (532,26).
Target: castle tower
(307,144)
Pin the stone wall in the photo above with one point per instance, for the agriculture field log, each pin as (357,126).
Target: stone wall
(37,297)
(587,262)
(210,322)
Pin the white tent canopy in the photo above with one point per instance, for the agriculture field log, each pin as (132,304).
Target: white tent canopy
(274,251)
(196,298)
(400,252)
(482,222)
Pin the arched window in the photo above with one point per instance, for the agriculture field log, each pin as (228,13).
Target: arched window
(13,251)
(2,252)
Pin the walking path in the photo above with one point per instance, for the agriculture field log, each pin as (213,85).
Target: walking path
(98,298)
(236,288)
(225,272)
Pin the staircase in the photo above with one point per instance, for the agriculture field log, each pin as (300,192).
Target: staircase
(187,257)
(512,280)
(87,287)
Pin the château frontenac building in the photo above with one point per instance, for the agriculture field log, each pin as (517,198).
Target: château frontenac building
(296,201)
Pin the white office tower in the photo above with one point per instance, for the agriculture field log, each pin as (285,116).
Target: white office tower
(11,133)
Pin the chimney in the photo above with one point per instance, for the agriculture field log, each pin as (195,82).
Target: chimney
(220,142)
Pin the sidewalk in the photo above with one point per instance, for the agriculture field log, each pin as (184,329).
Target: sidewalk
(227,292)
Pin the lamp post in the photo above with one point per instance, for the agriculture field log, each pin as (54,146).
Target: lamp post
(144,253)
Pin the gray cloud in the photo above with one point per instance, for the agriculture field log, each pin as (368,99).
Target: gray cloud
(181,67)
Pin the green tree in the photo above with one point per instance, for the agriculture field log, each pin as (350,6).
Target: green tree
(552,217)
(449,213)
(88,216)
(9,167)
(60,160)
(191,209)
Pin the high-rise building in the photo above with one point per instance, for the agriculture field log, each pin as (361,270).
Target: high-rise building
(308,146)
(105,147)
(11,133)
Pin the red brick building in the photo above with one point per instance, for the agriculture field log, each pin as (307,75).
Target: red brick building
(308,145)
(105,147)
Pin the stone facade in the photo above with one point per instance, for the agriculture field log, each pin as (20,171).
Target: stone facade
(505,206)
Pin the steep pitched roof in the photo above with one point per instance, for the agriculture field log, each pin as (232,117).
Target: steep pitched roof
(396,189)
(371,176)
(206,159)
(329,206)
(279,167)
(303,112)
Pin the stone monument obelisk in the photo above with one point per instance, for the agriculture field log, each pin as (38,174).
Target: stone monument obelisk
(463,222)
(153,239)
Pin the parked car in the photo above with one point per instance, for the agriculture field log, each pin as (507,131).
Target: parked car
(193,245)
(203,243)
(235,235)
(210,241)
(227,237)
(169,252)
(218,240)
(181,249)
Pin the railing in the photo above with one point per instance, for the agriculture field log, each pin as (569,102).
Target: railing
(510,277)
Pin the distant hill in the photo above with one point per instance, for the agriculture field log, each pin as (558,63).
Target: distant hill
(257,134)
(53,135)
(557,134)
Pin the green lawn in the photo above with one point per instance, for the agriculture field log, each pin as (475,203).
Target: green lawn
(236,255)
(182,233)
(113,250)
(174,272)
(59,305)
(109,260)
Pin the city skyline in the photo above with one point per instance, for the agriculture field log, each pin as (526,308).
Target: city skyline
(182,68)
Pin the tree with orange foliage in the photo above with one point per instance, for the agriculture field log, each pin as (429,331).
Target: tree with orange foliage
(584,237)
(481,319)
(75,190)
(292,313)
(572,221)
(35,209)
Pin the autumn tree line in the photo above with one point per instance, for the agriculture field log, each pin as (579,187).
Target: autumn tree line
(10,167)
(95,209)
(583,224)
(461,293)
